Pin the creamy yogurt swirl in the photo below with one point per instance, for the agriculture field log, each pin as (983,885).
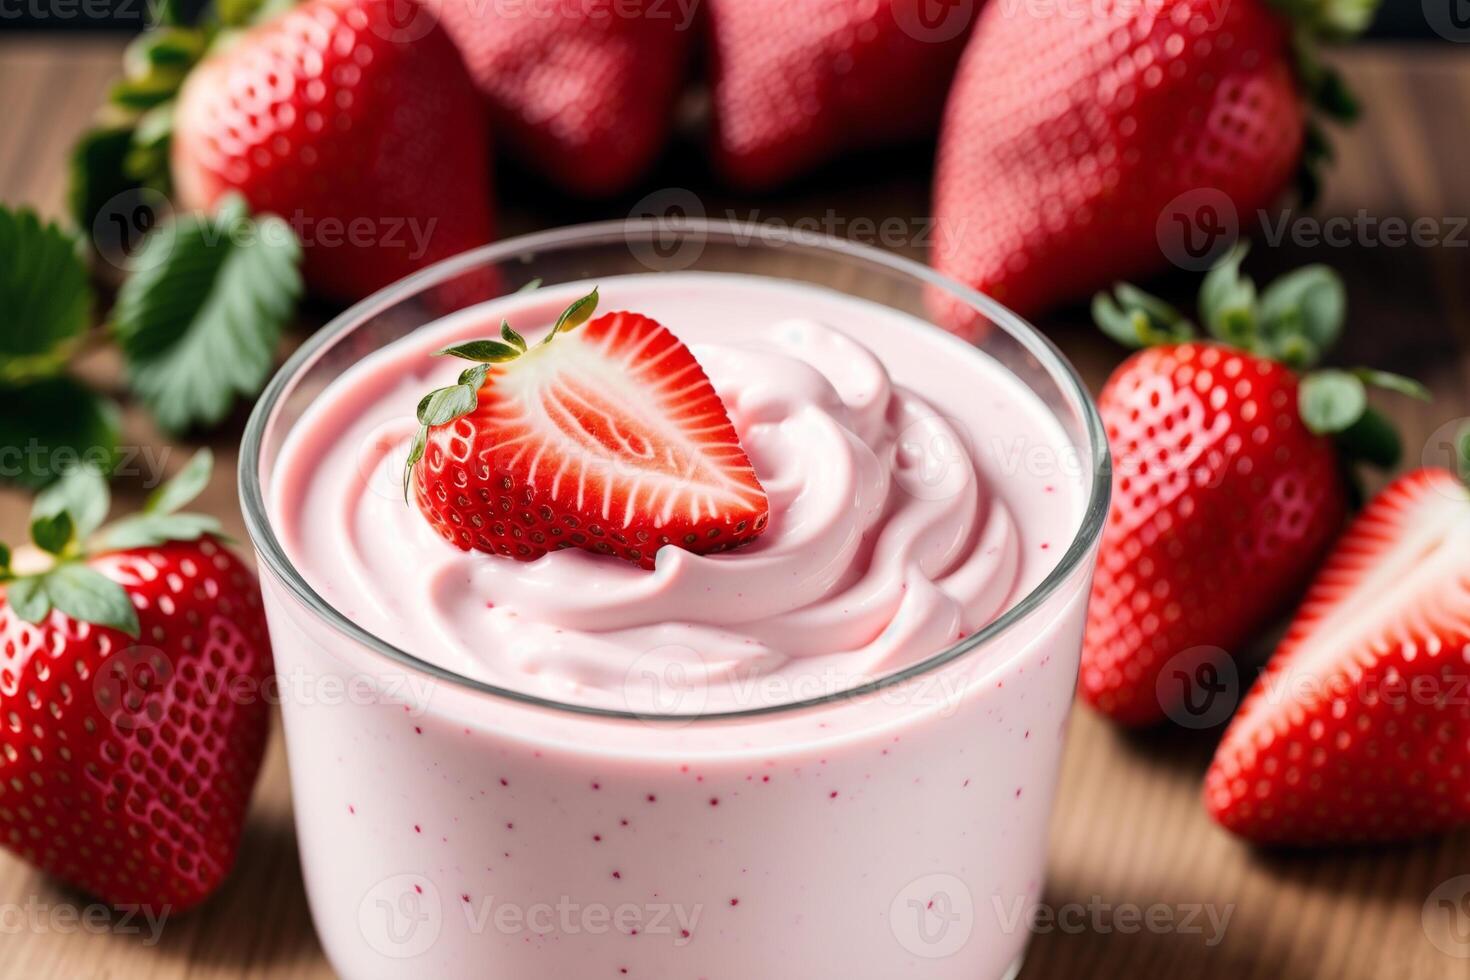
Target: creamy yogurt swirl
(885,545)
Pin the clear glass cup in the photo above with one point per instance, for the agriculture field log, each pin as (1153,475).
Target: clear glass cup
(452,828)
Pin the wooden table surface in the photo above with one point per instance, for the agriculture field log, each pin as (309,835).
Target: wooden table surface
(1129,830)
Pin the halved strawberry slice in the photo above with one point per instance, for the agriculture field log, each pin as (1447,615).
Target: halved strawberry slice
(1359,728)
(611,439)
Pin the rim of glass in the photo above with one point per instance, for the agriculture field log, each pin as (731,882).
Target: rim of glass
(741,234)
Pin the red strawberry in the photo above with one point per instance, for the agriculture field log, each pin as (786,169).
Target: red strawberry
(608,438)
(1227,483)
(1359,728)
(131,682)
(361,129)
(796,82)
(582,90)
(1067,138)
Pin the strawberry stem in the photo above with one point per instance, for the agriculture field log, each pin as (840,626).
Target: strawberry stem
(444,405)
(1295,320)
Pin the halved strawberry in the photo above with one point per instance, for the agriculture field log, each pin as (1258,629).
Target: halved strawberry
(611,440)
(1359,728)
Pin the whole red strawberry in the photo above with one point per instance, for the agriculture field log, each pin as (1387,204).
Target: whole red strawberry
(1228,478)
(132,685)
(1359,728)
(796,82)
(353,121)
(607,438)
(1066,139)
(582,90)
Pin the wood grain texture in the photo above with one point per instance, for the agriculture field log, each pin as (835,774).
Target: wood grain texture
(1129,828)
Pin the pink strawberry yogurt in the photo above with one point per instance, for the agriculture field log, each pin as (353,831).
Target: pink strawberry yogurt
(681,824)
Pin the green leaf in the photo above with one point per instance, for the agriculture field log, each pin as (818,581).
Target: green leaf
(147,159)
(4,559)
(147,530)
(415,453)
(1397,383)
(53,533)
(199,319)
(1311,301)
(45,296)
(511,337)
(1331,401)
(48,426)
(81,493)
(1462,454)
(186,484)
(474,377)
(1373,440)
(1122,327)
(96,173)
(85,594)
(575,315)
(1227,300)
(27,596)
(487,351)
(447,404)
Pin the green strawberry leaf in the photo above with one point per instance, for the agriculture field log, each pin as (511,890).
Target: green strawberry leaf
(447,404)
(147,530)
(27,596)
(1310,302)
(53,533)
(199,319)
(82,494)
(1124,328)
(511,337)
(85,594)
(52,424)
(1462,454)
(1137,319)
(147,159)
(1397,383)
(96,173)
(44,293)
(1373,440)
(488,351)
(187,484)
(574,316)
(1227,301)
(1331,401)
(4,559)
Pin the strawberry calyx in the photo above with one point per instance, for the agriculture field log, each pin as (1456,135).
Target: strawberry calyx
(1294,321)
(66,528)
(444,405)
(1312,22)
(128,145)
